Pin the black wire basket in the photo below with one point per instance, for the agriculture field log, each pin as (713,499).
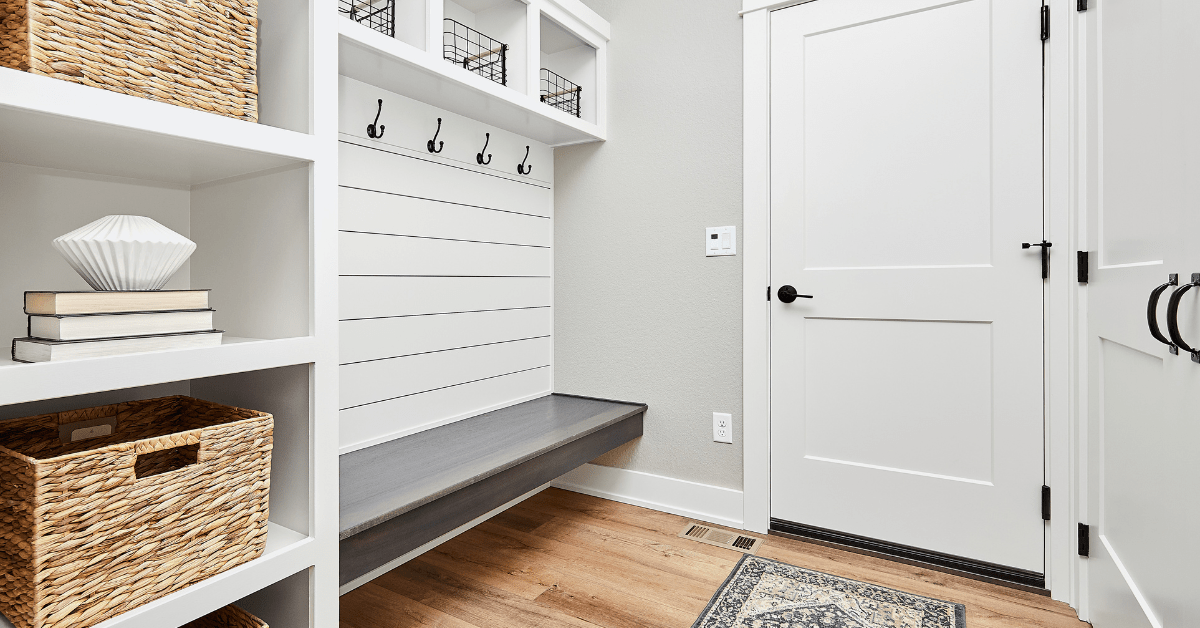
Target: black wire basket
(474,51)
(378,15)
(560,93)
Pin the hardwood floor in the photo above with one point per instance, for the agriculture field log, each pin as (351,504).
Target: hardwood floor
(564,559)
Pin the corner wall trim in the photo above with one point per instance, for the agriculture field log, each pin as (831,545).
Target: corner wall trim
(703,502)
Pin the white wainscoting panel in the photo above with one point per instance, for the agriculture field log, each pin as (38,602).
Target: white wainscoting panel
(366,211)
(381,338)
(375,254)
(702,502)
(446,270)
(376,297)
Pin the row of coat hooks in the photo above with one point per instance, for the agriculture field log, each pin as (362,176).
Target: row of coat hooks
(375,131)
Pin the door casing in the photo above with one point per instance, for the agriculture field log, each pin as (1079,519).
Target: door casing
(1065,348)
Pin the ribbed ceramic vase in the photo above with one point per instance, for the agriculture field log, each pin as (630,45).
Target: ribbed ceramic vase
(125,253)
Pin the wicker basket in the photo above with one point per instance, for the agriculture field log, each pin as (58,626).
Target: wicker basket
(228,617)
(196,53)
(105,509)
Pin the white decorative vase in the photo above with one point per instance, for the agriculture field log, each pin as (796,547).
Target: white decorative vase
(125,253)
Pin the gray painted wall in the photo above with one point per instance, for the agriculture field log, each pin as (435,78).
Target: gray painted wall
(641,313)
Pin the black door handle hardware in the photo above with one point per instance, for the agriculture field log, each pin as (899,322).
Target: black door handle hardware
(1152,312)
(1045,255)
(787,294)
(434,142)
(1173,317)
(1081,266)
(374,132)
(487,137)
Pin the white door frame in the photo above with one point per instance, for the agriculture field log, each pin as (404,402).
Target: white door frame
(1064,227)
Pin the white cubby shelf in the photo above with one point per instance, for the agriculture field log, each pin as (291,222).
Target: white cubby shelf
(287,553)
(56,124)
(414,66)
(24,383)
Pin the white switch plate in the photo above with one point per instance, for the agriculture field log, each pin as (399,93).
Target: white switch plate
(720,241)
(722,427)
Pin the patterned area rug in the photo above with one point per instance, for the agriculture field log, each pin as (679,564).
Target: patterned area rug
(764,593)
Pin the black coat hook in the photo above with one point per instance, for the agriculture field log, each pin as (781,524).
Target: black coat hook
(521,167)
(429,144)
(487,137)
(371,129)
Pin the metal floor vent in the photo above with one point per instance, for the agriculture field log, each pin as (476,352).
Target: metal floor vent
(720,538)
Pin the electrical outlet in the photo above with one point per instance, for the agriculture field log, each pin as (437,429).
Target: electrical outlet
(722,427)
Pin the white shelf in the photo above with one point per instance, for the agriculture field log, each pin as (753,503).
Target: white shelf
(58,124)
(287,553)
(376,59)
(20,383)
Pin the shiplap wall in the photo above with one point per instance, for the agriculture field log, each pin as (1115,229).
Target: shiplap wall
(445,265)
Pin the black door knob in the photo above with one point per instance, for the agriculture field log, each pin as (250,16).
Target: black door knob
(787,294)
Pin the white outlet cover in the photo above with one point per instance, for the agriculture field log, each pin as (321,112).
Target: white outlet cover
(723,427)
(720,241)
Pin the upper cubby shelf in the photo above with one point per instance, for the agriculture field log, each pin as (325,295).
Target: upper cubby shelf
(55,124)
(483,59)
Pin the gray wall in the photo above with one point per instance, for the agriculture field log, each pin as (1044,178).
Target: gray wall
(641,313)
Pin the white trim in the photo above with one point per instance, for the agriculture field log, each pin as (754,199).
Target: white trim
(371,442)
(390,565)
(1061,300)
(722,506)
(756,273)
(1062,379)
(754,6)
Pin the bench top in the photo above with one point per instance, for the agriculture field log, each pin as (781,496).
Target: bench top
(387,480)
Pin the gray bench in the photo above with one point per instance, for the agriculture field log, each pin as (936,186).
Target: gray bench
(400,495)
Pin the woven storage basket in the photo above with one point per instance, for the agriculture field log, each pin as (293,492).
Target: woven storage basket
(105,509)
(228,617)
(196,53)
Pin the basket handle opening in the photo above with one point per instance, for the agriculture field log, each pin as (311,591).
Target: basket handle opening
(166,460)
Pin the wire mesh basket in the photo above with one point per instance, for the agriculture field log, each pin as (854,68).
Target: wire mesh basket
(560,93)
(378,15)
(471,49)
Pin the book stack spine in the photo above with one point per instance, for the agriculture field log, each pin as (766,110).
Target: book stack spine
(76,325)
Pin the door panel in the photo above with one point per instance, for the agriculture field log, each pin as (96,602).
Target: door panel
(931,384)
(1139,154)
(906,152)
(925,107)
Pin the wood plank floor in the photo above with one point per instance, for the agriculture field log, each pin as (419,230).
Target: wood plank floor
(564,559)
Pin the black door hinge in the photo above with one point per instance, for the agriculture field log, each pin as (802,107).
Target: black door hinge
(1081,6)
(768,293)
(1085,540)
(1081,266)
(1045,503)
(1045,22)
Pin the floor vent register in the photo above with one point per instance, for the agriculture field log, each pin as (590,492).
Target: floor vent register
(720,538)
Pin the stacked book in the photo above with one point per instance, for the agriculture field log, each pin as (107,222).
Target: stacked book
(75,325)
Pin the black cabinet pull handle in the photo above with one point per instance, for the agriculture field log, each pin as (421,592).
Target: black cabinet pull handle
(1173,316)
(787,294)
(1152,311)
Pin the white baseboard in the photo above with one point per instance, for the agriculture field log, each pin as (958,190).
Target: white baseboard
(392,564)
(713,504)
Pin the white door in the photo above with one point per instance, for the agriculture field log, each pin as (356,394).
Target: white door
(1141,170)
(906,168)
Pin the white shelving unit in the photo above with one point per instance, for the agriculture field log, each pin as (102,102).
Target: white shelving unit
(421,73)
(260,201)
